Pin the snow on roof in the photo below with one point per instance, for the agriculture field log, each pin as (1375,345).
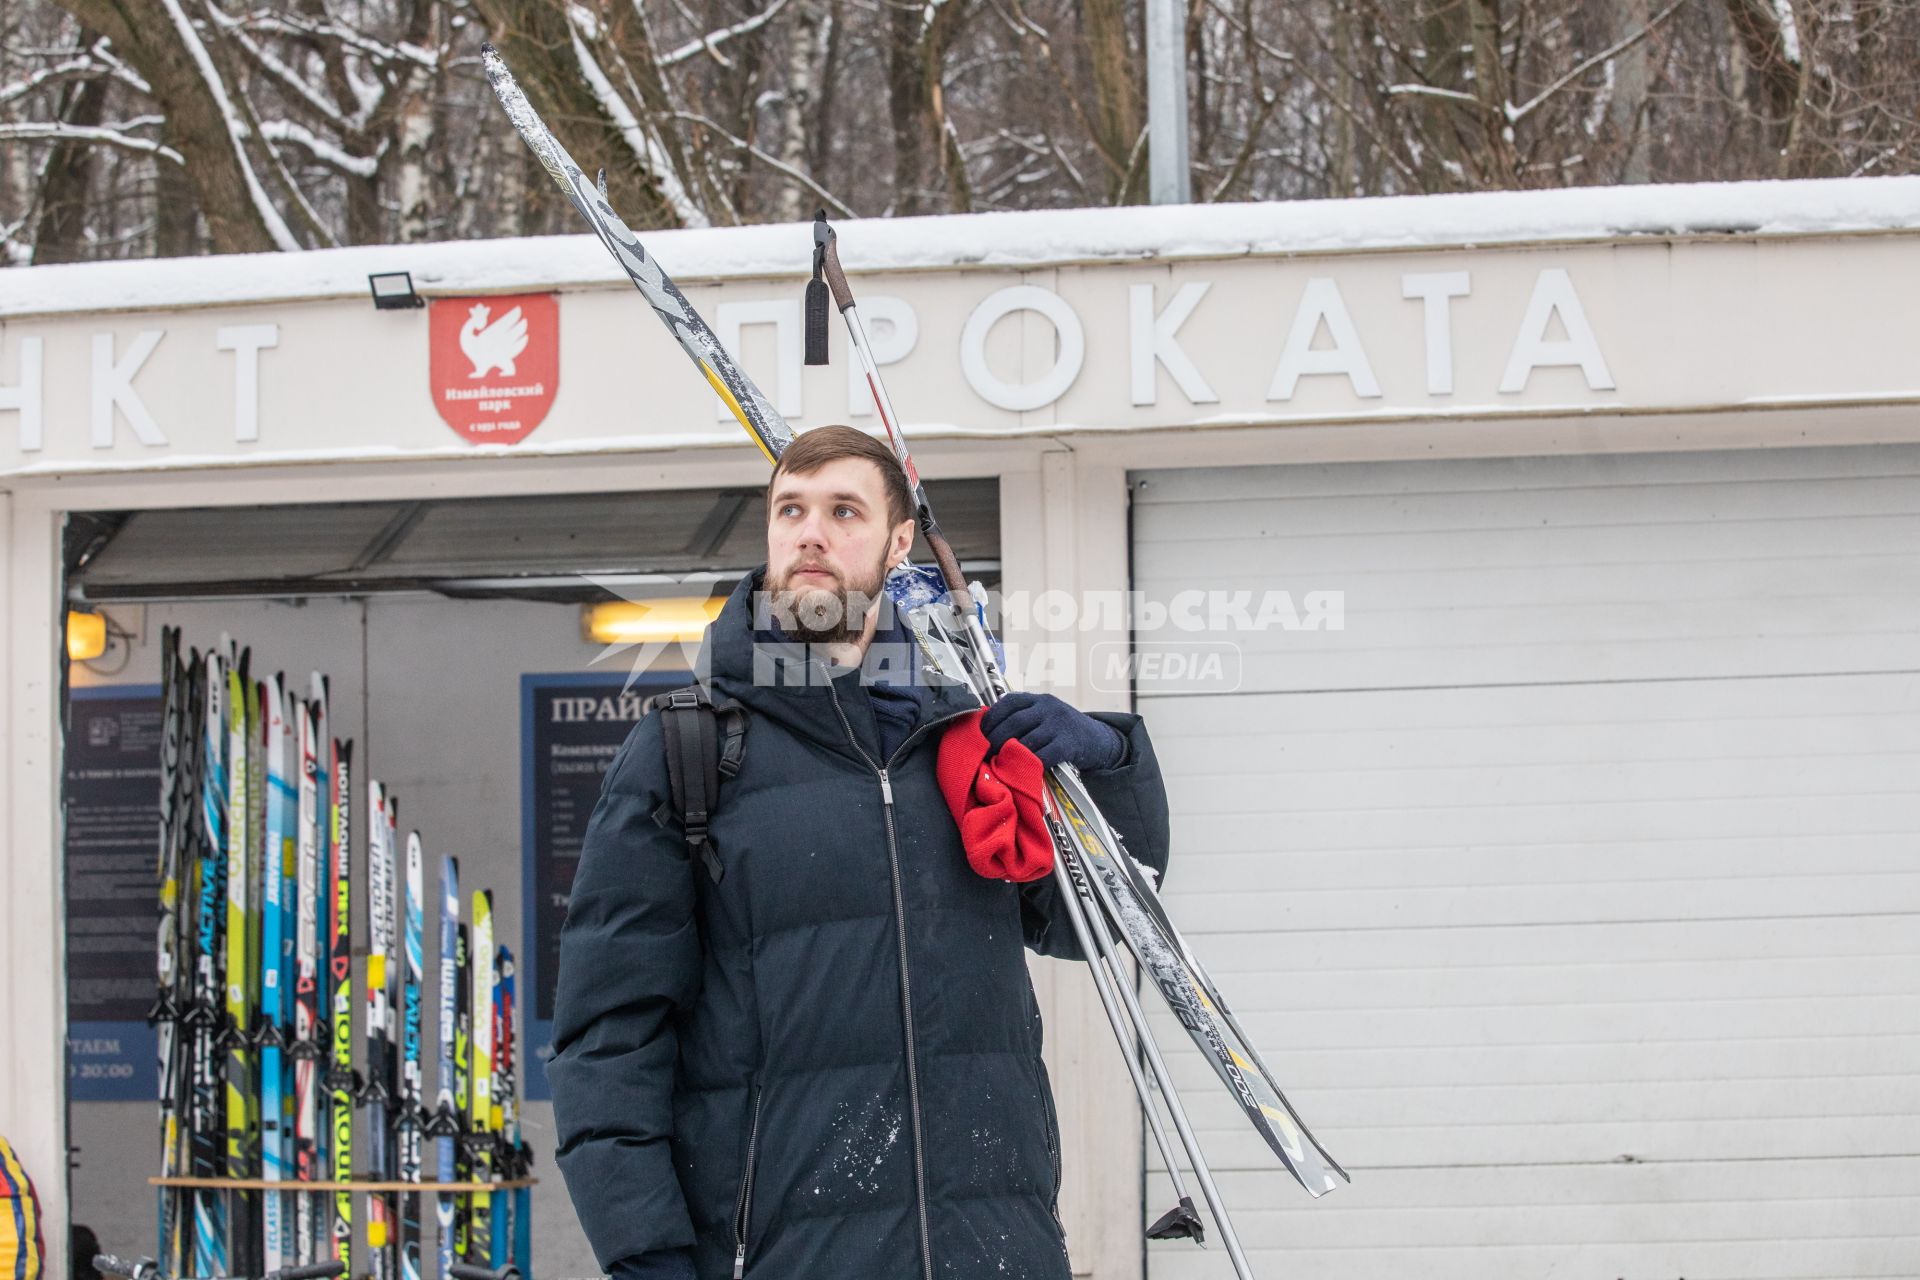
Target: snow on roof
(993,240)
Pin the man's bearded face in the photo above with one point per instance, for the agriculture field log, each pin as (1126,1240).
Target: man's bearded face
(829,545)
(819,604)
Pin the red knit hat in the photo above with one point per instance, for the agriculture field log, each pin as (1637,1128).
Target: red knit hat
(998,805)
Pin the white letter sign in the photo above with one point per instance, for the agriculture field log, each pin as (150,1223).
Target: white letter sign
(113,388)
(246,341)
(1553,293)
(1435,290)
(1021,396)
(23,397)
(1154,341)
(1321,301)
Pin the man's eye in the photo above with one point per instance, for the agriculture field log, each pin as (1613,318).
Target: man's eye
(844,511)
(790,510)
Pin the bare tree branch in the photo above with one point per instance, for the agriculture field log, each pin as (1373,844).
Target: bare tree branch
(710,42)
(1612,51)
(778,165)
(104,135)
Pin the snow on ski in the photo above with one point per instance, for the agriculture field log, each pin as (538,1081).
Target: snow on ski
(741,396)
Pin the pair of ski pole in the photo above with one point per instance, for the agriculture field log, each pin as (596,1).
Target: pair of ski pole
(1076,892)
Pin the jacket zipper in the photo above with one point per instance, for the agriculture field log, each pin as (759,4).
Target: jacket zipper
(906,983)
(744,1206)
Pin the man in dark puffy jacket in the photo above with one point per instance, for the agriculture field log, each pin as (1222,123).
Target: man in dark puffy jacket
(821,1060)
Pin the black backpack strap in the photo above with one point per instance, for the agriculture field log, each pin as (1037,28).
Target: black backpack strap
(702,744)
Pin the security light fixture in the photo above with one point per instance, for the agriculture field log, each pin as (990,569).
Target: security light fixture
(393,291)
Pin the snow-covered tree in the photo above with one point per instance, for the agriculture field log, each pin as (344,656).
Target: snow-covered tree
(137,127)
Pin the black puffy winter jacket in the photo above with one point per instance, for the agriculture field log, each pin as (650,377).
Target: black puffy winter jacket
(826,1066)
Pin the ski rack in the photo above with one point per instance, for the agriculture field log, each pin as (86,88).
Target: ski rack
(216,1215)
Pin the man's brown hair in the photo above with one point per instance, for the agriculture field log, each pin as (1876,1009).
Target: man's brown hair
(812,450)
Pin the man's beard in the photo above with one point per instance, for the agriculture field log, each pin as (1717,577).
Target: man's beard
(823,614)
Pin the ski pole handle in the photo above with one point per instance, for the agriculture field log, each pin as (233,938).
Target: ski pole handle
(466,1271)
(830,263)
(113,1265)
(315,1271)
(827,249)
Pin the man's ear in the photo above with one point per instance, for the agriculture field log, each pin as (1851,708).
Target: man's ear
(902,542)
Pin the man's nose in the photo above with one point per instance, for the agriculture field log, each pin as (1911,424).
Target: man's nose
(812,531)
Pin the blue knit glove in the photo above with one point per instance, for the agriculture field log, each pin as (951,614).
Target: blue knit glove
(1052,730)
(661,1264)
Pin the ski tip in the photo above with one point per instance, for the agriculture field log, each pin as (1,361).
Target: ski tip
(1326,1180)
(495,66)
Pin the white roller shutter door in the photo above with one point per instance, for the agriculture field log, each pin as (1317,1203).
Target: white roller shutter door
(1573,888)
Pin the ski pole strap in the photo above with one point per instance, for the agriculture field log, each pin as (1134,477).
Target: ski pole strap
(702,744)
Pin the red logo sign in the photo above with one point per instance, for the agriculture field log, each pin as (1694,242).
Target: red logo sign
(494,363)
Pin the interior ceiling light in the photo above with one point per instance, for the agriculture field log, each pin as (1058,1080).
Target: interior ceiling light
(670,620)
(86,635)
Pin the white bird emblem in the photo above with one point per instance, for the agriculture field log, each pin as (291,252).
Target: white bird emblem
(496,345)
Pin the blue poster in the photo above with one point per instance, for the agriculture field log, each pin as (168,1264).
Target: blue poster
(112,825)
(571,726)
